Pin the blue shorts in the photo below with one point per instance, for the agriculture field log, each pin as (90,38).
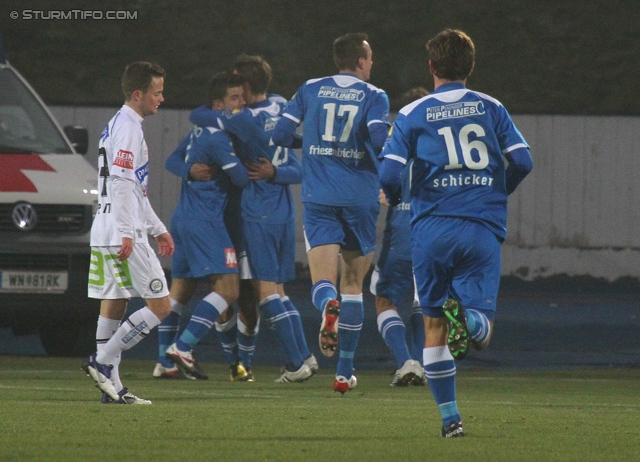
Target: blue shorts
(203,247)
(352,227)
(455,258)
(393,279)
(271,251)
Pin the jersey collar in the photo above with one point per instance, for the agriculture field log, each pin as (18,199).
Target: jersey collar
(449,87)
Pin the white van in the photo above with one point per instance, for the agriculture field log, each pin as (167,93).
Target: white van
(48,193)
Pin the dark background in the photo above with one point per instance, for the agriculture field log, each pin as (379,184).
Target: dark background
(544,57)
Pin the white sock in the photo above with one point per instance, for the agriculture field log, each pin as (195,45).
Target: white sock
(134,329)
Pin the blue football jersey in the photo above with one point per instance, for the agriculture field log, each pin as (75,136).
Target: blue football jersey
(397,231)
(339,165)
(207,199)
(458,138)
(266,201)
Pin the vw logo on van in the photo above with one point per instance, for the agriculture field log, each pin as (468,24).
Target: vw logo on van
(24,216)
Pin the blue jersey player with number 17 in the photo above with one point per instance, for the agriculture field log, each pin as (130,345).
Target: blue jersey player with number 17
(459,140)
(345,125)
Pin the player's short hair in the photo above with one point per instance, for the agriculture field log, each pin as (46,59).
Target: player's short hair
(348,49)
(219,83)
(414,94)
(453,54)
(138,76)
(255,70)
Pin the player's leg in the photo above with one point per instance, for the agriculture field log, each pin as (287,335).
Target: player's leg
(298,331)
(391,280)
(279,319)
(248,326)
(140,275)
(432,258)
(359,225)
(475,281)
(324,235)
(182,289)
(227,329)
(224,291)
(354,268)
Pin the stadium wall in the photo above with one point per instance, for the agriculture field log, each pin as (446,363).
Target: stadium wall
(577,214)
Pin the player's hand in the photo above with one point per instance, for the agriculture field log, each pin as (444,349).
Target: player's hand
(262,170)
(126,249)
(383,199)
(202,172)
(165,244)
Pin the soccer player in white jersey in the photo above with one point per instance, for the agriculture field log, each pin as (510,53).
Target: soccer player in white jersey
(345,125)
(123,264)
(459,140)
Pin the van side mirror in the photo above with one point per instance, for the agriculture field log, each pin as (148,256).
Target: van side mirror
(79,137)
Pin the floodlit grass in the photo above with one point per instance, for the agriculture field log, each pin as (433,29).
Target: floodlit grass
(49,410)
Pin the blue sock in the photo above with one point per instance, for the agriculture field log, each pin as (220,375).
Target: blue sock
(279,319)
(227,333)
(321,292)
(349,327)
(168,331)
(296,323)
(441,375)
(246,343)
(204,315)
(416,324)
(478,325)
(394,334)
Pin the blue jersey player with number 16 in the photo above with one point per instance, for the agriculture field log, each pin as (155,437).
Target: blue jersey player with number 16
(459,140)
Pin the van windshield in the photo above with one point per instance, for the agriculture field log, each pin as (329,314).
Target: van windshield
(25,126)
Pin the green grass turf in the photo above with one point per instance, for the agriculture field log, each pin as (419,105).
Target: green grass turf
(49,410)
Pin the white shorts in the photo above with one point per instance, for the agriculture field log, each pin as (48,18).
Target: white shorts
(140,275)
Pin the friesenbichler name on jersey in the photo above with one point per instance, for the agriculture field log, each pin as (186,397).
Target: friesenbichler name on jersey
(454,111)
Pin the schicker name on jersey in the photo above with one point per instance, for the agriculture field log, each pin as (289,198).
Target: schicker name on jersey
(454,111)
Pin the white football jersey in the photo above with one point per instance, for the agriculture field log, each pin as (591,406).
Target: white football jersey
(124,160)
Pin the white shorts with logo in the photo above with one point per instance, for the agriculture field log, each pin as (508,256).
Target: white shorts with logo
(140,275)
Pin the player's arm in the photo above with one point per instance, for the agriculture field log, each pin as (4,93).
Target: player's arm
(284,133)
(393,159)
(177,164)
(229,162)
(378,122)
(520,164)
(122,192)
(289,172)
(127,145)
(204,116)
(158,230)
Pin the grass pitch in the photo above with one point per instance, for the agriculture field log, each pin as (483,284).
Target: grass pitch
(50,411)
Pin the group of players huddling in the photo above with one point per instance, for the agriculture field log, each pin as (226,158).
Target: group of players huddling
(440,168)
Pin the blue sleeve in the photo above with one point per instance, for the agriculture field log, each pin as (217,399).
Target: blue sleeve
(204,116)
(226,158)
(238,175)
(175,163)
(520,164)
(378,133)
(291,172)
(284,133)
(390,174)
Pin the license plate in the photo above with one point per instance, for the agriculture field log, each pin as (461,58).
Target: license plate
(34,282)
